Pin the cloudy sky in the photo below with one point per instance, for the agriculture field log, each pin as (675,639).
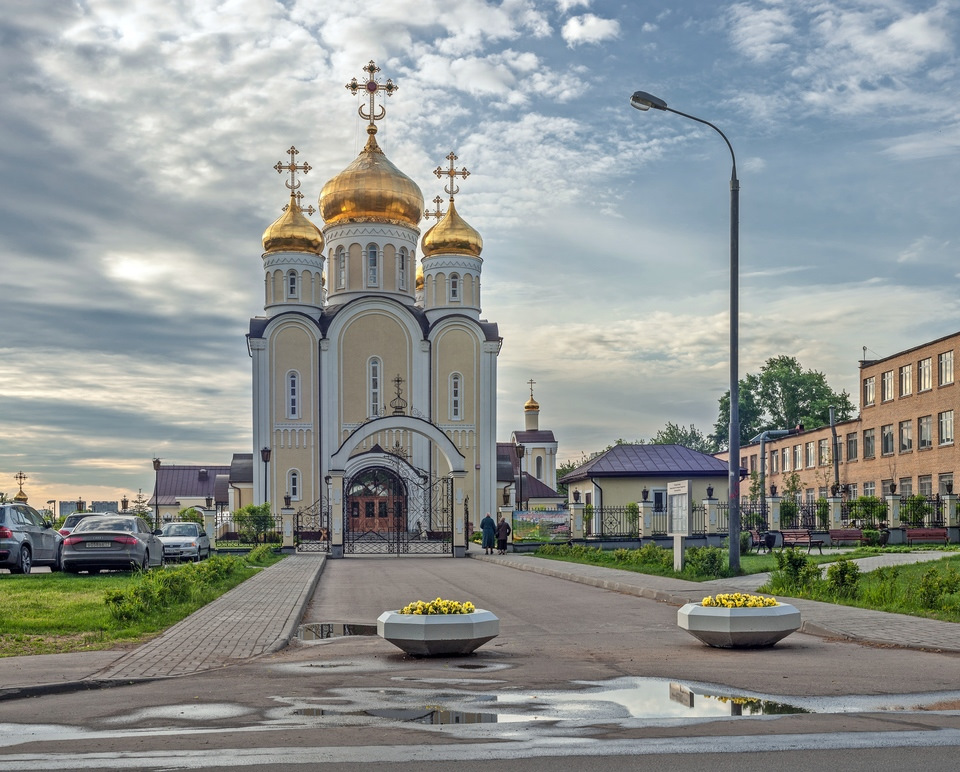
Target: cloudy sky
(135,182)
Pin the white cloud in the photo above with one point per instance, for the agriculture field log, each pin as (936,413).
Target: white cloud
(589,29)
(758,33)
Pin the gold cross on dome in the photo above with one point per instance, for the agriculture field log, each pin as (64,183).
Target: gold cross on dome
(20,477)
(293,167)
(372,87)
(439,212)
(299,196)
(451,188)
(531,382)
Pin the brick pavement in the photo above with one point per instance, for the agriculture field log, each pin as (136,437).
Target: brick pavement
(259,616)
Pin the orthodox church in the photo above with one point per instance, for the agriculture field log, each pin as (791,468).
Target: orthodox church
(374,375)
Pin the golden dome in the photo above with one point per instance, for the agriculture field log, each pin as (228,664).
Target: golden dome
(452,235)
(420,277)
(371,189)
(531,404)
(292,232)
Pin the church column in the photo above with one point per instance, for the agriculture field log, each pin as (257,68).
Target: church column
(336,514)
(261,412)
(459,535)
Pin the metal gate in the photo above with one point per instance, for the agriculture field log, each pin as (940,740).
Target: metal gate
(312,528)
(419,522)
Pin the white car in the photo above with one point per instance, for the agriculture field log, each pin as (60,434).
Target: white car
(184,541)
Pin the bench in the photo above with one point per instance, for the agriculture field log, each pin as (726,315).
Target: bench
(926,534)
(799,537)
(838,535)
(761,540)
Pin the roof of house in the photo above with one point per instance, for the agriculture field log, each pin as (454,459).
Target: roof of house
(175,481)
(648,461)
(241,468)
(534,489)
(534,436)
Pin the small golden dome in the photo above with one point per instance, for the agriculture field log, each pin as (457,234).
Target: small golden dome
(371,189)
(452,235)
(419,277)
(292,232)
(21,497)
(531,404)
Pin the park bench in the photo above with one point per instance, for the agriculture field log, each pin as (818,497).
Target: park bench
(926,534)
(800,537)
(838,535)
(761,540)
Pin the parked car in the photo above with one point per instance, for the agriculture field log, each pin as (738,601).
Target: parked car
(71,520)
(184,541)
(120,542)
(27,540)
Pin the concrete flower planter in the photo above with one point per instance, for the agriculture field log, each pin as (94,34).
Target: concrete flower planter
(739,627)
(432,635)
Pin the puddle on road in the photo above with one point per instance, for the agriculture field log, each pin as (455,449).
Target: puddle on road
(317,631)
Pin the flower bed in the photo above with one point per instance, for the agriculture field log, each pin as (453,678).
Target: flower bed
(438,627)
(738,620)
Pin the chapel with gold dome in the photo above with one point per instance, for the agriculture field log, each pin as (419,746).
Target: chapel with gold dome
(374,375)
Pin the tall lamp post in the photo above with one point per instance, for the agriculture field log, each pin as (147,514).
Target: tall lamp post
(265,457)
(156,493)
(520,452)
(644,101)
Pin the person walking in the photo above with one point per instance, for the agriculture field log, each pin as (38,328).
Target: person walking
(503,531)
(489,529)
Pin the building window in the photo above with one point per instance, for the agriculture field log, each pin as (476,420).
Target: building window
(837,448)
(925,374)
(402,268)
(945,368)
(906,380)
(945,421)
(293,395)
(886,439)
(539,467)
(925,485)
(374,376)
(823,452)
(852,446)
(292,284)
(906,436)
(293,484)
(851,491)
(906,486)
(456,397)
(373,266)
(810,457)
(785,459)
(774,457)
(886,386)
(924,432)
(454,287)
(341,267)
(943,481)
(869,443)
(869,390)
(885,487)
(870,488)
(797,458)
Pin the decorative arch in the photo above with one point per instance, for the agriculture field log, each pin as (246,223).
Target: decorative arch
(455,460)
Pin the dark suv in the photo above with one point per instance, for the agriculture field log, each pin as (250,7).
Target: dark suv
(27,540)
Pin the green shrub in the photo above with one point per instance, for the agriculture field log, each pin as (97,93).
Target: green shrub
(795,572)
(842,578)
(930,589)
(746,542)
(705,561)
(651,554)
(261,554)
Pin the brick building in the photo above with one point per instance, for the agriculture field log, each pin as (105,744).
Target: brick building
(904,435)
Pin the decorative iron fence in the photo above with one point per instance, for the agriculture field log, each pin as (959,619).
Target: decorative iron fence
(868,512)
(812,515)
(616,522)
(922,512)
(753,516)
(698,519)
(240,530)
(548,526)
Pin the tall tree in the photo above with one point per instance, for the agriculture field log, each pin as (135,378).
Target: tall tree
(782,395)
(688,436)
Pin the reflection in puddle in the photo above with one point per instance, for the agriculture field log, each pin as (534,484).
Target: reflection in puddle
(316,631)
(427,715)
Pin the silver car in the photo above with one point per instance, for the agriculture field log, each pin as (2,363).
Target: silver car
(120,542)
(185,541)
(27,540)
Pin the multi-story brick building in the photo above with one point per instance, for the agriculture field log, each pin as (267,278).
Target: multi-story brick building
(903,437)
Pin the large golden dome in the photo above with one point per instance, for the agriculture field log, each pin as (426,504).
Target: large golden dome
(371,189)
(292,232)
(452,236)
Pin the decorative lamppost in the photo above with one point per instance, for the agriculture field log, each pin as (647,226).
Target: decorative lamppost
(520,451)
(643,101)
(265,457)
(124,504)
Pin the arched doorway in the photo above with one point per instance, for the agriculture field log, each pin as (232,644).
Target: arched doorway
(376,502)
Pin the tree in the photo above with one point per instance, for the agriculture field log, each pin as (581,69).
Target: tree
(690,437)
(781,396)
(565,468)
(254,521)
(190,515)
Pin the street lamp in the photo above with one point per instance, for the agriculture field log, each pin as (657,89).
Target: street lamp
(156,492)
(641,100)
(265,457)
(520,451)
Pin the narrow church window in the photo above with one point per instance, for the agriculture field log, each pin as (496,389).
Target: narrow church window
(454,287)
(341,267)
(293,484)
(539,467)
(402,269)
(456,411)
(291,284)
(373,265)
(374,386)
(293,395)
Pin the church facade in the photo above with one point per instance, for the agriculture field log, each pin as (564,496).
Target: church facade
(374,375)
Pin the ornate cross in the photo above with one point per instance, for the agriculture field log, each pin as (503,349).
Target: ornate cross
(398,403)
(20,477)
(293,183)
(451,188)
(440,212)
(299,196)
(531,382)
(372,87)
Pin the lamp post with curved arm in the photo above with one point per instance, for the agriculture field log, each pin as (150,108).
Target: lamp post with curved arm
(643,101)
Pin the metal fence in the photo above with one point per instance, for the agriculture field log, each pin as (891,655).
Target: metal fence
(242,530)
(616,522)
(548,526)
(922,512)
(867,512)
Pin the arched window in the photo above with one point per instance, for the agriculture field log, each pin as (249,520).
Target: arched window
(402,269)
(374,389)
(341,267)
(539,467)
(456,397)
(373,266)
(293,484)
(292,284)
(293,394)
(454,287)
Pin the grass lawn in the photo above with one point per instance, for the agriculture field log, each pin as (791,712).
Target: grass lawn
(59,612)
